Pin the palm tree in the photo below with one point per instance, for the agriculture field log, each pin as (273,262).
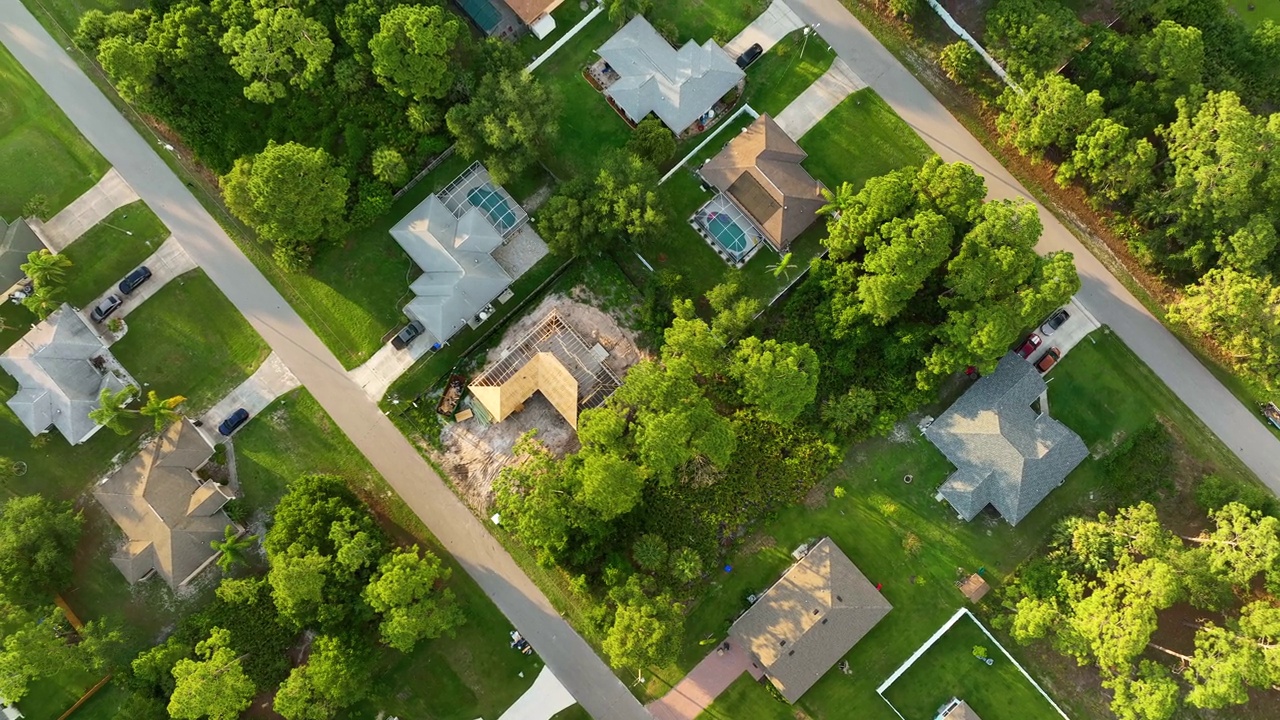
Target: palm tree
(161,411)
(111,409)
(43,300)
(233,548)
(44,267)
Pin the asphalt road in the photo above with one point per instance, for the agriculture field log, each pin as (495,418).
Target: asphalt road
(1239,427)
(564,651)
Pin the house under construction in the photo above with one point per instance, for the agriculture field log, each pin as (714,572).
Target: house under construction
(553,360)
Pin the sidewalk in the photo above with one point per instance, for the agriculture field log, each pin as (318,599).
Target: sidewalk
(820,98)
(776,22)
(99,201)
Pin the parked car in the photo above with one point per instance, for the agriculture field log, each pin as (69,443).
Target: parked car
(406,336)
(134,279)
(233,421)
(1054,322)
(750,56)
(1033,341)
(105,308)
(1048,360)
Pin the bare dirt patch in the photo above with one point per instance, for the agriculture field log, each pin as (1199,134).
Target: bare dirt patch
(474,452)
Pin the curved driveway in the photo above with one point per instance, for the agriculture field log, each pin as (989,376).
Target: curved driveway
(564,651)
(1240,428)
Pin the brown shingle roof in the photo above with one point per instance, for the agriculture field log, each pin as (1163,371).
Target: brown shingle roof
(764,161)
(810,618)
(530,10)
(168,516)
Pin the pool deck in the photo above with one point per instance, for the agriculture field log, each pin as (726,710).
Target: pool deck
(722,206)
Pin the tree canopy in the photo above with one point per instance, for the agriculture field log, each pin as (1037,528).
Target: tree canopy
(38,540)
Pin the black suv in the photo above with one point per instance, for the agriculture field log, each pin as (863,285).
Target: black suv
(105,308)
(750,55)
(406,336)
(233,421)
(134,279)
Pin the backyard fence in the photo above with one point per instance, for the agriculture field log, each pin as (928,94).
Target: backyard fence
(435,163)
(599,8)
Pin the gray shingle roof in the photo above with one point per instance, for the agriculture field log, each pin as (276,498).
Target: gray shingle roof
(678,86)
(1006,454)
(168,515)
(809,619)
(459,274)
(17,240)
(58,382)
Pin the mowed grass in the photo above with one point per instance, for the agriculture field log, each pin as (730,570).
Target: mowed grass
(589,127)
(860,139)
(1261,11)
(1099,390)
(702,19)
(786,71)
(188,339)
(41,153)
(949,669)
(106,253)
(473,674)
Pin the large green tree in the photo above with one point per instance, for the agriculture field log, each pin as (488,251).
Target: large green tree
(779,379)
(646,629)
(336,676)
(213,685)
(413,50)
(292,195)
(1049,112)
(34,647)
(507,123)
(1110,162)
(38,540)
(283,47)
(406,593)
(1241,313)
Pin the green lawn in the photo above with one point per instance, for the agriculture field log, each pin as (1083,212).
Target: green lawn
(860,139)
(703,19)
(474,674)
(106,253)
(1262,10)
(41,153)
(949,669)
(188,339)
(589,126)
(781,74)
(566,16)
(1098,389)
(747,698)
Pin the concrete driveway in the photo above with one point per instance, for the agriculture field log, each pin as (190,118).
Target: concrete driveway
(1080,323)
(776,22)
(271,380)
(820,98)
(542,700)
(379,371)
(91,208)
(697,690)
(166,263)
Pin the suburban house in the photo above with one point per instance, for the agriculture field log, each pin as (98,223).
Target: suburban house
(957,709)
(553,360)
(759,172)
(62,367)
(809,619)
(642,73)
(1007,451)
(17,241)
(451,236)
(511,18)
(168,515)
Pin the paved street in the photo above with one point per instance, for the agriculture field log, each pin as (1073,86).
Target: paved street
(566,653)
(1101,293)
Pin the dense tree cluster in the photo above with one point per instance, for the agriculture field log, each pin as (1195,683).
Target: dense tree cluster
(617,206)
(37,543)
(1164,118)
(922,280)
(1098,593)
(332,572)
(697,445)
(262,94)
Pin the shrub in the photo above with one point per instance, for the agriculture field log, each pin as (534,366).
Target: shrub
(1140,469)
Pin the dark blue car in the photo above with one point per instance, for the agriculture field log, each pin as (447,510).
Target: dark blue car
(235,420)
(134,279)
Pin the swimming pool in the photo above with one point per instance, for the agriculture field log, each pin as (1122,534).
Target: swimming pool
(727,233)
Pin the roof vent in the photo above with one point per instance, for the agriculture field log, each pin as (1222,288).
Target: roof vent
(815,611)
(790,653)
(784,642)
(839,599)
(824,621)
